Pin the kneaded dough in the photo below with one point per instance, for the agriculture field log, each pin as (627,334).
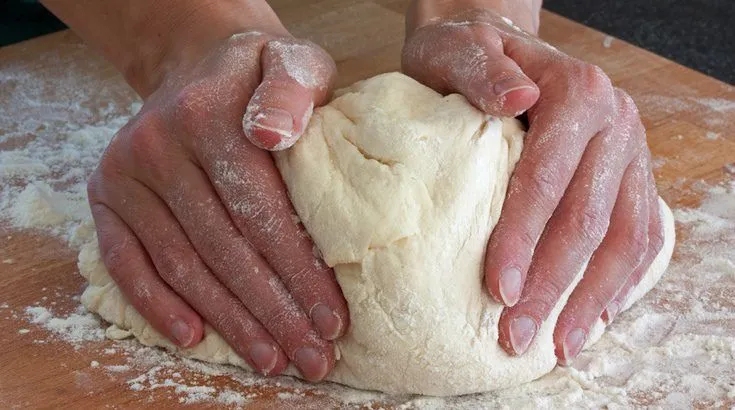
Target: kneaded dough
(400,188)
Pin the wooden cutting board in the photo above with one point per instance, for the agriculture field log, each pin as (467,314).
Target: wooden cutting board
(683,111)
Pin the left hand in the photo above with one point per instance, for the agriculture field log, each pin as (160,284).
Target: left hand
(583,189)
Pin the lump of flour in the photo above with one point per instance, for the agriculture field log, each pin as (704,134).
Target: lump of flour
(400,188)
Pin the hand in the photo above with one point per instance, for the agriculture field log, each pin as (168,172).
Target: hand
(583,189)
(193,220)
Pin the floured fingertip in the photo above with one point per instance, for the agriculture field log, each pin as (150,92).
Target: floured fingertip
(269,128)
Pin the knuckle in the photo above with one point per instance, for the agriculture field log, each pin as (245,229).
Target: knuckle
(626,103)
(595,88)
(628,114)
(114,257)
(634,247)
(542,183)
(94,193)
(106,170)
(598,82)
(527,240)
(633,280)
(638,242)
(656,233)
(596,301)
(282,52)
(318,54)
(109,171)
(279,320)
(656,239)
(171,261)
(298,279)
(546,293)
(590,223)
(109,167)
(225,323)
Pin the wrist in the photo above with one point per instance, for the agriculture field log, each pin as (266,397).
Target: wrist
(523,13)
(169,40)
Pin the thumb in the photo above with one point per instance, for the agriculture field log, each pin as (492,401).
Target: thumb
(502,90)
(297,76)
(470,60)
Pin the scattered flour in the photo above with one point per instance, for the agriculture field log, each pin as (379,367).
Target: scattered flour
(607,41)
(79,326)
(118,368)
(717,104)
(712,109)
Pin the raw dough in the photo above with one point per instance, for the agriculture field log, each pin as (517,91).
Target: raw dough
(400,189)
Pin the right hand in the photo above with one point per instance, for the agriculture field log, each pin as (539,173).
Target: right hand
(582,195)
(193,220)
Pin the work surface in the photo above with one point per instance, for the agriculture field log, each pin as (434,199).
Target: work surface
(50,82)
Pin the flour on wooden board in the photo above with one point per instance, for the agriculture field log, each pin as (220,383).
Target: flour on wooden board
(660,353)
(668,351)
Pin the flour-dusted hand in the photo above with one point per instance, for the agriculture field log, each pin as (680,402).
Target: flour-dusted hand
(193,220)
(583,189)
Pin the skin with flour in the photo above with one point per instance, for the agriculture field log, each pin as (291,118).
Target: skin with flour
(223,79)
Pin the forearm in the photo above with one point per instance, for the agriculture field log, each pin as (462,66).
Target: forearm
(524,13)
(144,39)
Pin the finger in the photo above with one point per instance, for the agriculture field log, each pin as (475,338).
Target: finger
(468,58)
(178,264)
(619,254)
(297,76)
(129,266)
(655,231)
(575,230)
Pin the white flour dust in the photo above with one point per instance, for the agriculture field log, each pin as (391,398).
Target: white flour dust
(607,41)
(79,326)
(674,349)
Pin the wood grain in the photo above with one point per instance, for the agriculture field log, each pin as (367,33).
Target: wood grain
(682,109)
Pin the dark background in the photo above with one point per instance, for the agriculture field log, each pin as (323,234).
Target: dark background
(696,33)
(699,34)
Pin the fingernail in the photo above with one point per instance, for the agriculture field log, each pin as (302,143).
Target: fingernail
(264,356)
(522,331)
(510,285)
(508,85)
(274,125)
(573,344)
(328,323)
(182,333)
(312,364)
(611,311)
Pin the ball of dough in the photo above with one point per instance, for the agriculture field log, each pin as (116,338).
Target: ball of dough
(400,188)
